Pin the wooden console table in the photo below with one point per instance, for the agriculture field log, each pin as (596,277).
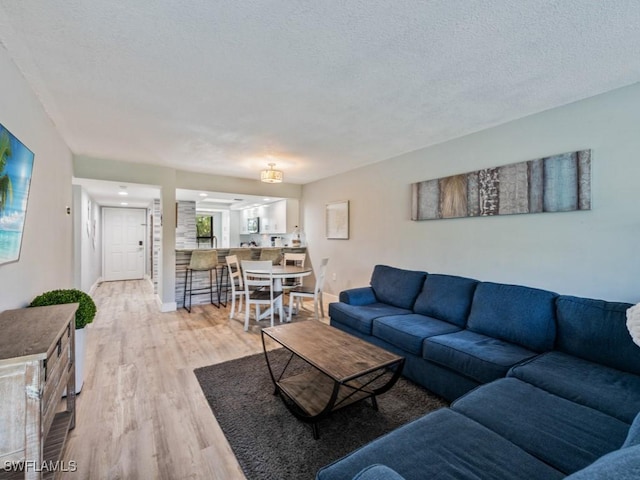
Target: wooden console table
(37,364)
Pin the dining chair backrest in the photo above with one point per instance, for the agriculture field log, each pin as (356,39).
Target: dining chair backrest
(296,259)
(261,266)
(237,284)
(234,272)
(259,289)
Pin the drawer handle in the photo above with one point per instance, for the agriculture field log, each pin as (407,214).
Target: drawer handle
(59,347)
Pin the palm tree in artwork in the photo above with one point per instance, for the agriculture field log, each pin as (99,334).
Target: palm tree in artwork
(6,188)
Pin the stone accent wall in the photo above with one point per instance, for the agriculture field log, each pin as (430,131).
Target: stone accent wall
(157,243)
(186,232)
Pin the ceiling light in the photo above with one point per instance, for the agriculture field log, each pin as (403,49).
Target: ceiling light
(124,204)
(122,192)
(271,175)
(203,194)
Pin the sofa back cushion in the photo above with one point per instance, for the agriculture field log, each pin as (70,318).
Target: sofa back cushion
(446,297)
(596,330)
(516,314)
(396,286)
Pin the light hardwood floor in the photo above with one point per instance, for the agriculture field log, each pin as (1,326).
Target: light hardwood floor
(141,413)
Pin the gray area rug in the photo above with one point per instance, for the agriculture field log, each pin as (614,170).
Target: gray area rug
(270,443)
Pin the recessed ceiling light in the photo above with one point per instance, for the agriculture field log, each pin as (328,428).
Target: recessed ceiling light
(123,193)
(203,194)
(124,204)
(266,199)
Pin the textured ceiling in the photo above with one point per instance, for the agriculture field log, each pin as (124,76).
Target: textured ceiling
(318,87)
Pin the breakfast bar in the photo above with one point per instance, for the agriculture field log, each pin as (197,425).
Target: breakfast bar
(201,280)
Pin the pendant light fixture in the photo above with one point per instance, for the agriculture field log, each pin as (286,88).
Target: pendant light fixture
(271,175)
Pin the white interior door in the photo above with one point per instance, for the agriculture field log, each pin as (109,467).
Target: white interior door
(124,237)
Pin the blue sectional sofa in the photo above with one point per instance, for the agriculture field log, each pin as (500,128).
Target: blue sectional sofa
(543,385)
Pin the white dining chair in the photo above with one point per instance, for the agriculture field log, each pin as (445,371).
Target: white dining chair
(296,259)
(299,293)
(237,285)
(258,284)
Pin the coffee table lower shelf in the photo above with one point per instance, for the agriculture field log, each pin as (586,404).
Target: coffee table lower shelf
(312,392)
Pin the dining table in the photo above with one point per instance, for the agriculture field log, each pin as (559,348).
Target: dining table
(279,273)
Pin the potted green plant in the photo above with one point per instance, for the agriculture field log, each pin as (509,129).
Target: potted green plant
(84,316)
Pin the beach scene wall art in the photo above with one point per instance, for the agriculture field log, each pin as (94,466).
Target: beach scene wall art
(559,183)
(16,166)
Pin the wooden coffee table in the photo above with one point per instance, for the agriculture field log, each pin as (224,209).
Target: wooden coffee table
(344,369)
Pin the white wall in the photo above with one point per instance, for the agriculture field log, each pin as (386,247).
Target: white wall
(87,240)
(46,256)
(594,253)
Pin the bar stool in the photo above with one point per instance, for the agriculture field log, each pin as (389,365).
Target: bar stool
(201,261)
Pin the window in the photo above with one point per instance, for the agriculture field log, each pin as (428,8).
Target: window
(204,231)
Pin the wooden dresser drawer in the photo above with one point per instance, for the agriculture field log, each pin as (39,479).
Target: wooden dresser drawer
(57,367)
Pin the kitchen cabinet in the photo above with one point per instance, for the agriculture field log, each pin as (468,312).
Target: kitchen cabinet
(280,217)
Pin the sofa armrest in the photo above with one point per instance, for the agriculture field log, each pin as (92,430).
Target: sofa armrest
(358,296)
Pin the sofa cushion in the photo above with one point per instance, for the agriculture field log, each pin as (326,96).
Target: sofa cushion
(514,313)
(408,331)
(597,331)
(474,355)
(360,317)
(611,391)
(623,464)
(633,436)
(564,434)
(444,445)
(378,472)
(396,286)
(446,297)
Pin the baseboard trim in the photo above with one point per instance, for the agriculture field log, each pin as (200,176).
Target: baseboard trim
(329,297)
(96,284)
(166,307)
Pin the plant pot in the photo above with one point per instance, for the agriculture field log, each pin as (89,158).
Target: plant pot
(79,355)
(80,348)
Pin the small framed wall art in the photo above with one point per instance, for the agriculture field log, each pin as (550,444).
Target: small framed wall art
(337,220)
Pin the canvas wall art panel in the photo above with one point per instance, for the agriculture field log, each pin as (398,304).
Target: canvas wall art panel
(16,166)
(559,183)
